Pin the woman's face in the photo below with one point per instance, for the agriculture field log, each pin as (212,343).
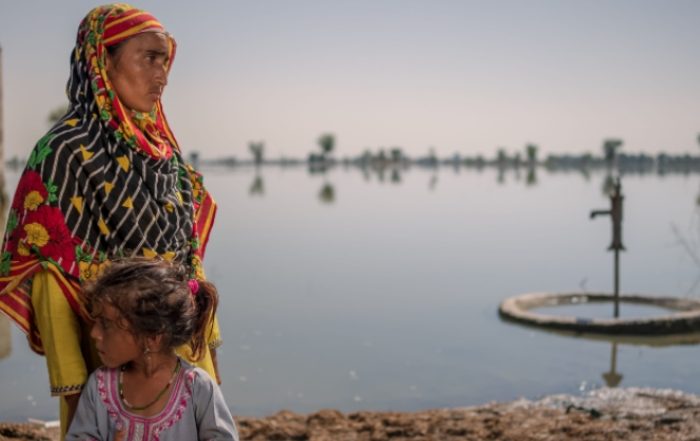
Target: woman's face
(138,70)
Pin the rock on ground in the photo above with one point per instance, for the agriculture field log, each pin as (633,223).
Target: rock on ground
(602,415)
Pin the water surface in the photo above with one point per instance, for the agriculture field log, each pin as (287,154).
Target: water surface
(346,291)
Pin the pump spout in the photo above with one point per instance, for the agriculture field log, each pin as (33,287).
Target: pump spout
(595,213)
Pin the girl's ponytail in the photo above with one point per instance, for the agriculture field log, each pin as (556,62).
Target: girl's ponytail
(206,300)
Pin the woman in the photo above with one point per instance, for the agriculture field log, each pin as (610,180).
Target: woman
(107,181)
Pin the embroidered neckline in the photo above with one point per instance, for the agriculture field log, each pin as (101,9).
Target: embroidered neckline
(171,413)
(129,406)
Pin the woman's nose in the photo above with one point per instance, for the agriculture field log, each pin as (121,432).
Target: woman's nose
(161,75)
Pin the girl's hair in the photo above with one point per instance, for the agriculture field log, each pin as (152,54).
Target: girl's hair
(156,297)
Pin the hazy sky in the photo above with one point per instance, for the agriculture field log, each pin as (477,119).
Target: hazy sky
(459,76)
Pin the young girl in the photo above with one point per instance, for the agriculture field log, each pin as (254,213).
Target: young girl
(143,309)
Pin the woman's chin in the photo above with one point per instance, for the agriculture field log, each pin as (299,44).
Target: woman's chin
(144,108)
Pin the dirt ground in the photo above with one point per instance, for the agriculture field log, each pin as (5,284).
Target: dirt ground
(606,414)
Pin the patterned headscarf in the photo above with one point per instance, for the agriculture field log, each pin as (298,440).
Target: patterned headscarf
(103,183)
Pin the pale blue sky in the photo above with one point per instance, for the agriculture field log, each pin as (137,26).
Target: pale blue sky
(460,76)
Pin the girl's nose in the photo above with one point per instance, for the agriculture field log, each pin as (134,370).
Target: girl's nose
(94,332)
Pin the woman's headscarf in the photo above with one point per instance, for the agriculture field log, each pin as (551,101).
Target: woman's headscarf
(103,183)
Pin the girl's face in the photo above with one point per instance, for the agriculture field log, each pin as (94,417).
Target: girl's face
(115,344)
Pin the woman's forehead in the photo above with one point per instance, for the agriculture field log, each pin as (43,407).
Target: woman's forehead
(148,41)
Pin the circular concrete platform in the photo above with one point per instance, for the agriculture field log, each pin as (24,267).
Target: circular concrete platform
(684,316)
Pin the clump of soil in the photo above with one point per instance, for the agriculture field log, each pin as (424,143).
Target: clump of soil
(26,431)
(605,414)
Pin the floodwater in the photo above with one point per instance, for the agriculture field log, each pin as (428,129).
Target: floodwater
(348,291)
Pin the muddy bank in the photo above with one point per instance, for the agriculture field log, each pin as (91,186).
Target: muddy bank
(606,414)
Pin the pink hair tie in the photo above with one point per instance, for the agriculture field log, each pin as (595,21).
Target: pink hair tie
(194,286)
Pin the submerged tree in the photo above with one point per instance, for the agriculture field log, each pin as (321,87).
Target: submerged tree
(257,149)
(531,151)
(501,157)
(396,154)
(327,144)
(194,158)
(432,157)
(610,149)
(57,113)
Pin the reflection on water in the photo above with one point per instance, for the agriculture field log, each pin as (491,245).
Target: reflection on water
(608,187)
(396,172)
(257,187)
(612,377)
(531,179)
(433,181)
(327,193)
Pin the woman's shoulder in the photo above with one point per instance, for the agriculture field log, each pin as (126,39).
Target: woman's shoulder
(69,130)
(71,134)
